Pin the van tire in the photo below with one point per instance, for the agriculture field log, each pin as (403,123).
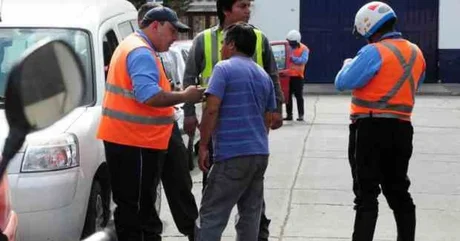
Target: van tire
(98,212)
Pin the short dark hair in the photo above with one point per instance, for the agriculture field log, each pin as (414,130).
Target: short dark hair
(243,36)
(144,9)
(224,5)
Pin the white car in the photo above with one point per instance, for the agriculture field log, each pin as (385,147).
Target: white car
(59,179)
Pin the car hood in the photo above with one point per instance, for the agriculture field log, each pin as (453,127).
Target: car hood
(57,128)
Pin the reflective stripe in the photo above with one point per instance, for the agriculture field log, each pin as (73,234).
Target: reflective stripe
(379,115)
(407,69)
(119,91)
(207,54)
(220,39)
(382,103)
(146,120)
(212,46)
(259,59)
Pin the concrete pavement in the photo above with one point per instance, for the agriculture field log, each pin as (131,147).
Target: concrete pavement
(308,182)
(425,89)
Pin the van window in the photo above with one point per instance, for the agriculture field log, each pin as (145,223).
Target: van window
(109,45)
(134,25)
(173,66)
(15,41)
(125,29)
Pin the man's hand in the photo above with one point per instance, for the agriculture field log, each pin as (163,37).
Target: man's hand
(276,121)
(190,125)
(203,158)
(194,94)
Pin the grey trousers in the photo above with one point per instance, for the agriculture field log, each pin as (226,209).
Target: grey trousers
(238,181)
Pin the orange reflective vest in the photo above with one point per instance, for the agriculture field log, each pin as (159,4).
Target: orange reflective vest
(297,70)
(126,121)
(390,93)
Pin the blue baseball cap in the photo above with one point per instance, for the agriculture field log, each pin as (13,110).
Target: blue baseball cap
(164,14)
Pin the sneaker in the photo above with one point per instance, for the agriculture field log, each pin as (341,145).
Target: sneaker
(288,118)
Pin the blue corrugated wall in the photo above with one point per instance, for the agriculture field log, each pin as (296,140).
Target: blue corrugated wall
(326,27)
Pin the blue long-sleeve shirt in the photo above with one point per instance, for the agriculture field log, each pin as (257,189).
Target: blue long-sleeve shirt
(143,70)
(303,59)
(362,68)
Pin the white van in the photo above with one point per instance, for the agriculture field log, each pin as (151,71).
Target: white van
(59,180)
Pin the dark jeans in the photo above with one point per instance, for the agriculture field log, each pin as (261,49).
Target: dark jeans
(134,176)
(264,231)
(379,153)
(177,184)
(237,181)
(296,89)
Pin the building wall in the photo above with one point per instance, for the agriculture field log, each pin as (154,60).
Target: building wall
(449,41)
(276,17)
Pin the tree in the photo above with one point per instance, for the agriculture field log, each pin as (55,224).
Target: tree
(180,6)
(137,3)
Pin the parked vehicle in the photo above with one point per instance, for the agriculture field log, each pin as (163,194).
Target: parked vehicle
(59,178)
(281,51)
(174,62)
(36,95)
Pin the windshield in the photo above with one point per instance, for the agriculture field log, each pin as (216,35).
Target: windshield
(279,51)
(14,41)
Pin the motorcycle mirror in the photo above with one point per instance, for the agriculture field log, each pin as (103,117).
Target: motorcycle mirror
(45,85)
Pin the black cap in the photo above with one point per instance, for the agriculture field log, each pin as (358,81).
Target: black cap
(164,14)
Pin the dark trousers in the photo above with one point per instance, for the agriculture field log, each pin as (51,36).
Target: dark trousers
(264,231)
(296,89)
(177,184)
(379,153)
(237,181)
(134,176)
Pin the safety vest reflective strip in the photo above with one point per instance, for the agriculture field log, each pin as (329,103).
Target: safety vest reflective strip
(212,52)
(382,103)
(147,120)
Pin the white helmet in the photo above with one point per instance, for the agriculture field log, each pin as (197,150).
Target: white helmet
(371,17)
(294,35)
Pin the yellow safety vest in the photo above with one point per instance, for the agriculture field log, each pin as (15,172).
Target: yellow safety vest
(212,48)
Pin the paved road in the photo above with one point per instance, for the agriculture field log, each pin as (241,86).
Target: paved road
(308,182)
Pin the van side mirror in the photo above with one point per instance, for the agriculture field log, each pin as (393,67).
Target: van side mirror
(44,86)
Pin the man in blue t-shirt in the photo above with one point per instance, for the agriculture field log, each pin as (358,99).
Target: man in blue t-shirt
(240,98)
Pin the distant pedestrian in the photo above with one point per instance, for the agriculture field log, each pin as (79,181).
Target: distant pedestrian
(296,72)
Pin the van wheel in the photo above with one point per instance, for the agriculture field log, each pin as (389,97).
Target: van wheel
(98,212)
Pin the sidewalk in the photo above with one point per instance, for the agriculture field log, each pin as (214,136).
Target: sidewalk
(426,89)
(308,181)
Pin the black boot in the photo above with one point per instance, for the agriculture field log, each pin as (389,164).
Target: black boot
(365,225)
(405,223)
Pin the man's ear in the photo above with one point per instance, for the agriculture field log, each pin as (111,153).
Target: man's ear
(154,25)
(232,45)
(226,13)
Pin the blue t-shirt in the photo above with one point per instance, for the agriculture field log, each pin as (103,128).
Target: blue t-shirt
(246,92)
